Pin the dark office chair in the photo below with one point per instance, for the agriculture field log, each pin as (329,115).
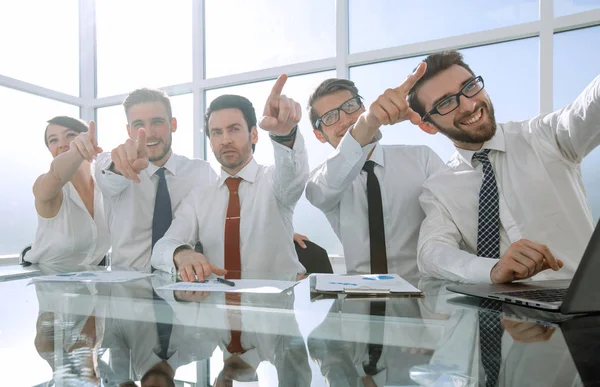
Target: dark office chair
(22,255)
(314,258)
(105,261)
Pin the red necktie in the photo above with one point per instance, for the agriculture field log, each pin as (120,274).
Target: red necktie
(233,263)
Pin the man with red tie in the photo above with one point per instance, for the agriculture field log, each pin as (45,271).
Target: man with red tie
(244,221)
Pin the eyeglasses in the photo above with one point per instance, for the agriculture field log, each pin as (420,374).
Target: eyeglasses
(333,115)
(451,103)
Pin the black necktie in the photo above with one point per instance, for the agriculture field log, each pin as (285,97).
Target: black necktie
(376,228)
(162,208)
(377,308)
(488,246)
(488,229)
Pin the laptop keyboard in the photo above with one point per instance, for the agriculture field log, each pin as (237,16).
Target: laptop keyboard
(546,295)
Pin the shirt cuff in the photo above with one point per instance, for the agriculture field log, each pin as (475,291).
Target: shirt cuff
(479,269)
(360,370)
(351,149)
(297,147)
(162,257)
(102,162)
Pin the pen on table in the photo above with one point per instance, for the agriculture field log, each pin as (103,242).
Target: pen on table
(226,282)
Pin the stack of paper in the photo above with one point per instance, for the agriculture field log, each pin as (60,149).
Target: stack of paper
(365,284)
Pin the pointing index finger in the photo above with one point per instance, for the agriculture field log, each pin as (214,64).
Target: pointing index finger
(92,133)
(142,149)
(278,86)
(412,79)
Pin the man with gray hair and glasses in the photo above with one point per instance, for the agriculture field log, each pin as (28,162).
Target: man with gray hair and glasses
(369,192)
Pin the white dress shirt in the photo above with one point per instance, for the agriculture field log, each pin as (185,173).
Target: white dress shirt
(338,188)
(537,165)
(129,206)
(267,195)
(72,236)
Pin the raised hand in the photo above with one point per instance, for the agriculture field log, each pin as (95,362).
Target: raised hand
(392,107)
(281,113)
(131,157)
(86,143)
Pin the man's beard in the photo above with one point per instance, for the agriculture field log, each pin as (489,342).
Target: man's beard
(478,135)
(166,148)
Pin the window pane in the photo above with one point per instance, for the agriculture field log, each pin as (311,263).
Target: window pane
(143,43)
(516,75)
(26,152)
(112,126)
(567,7)
(570,78)
(266,33)
(40,43)
(308,220)
(376,24)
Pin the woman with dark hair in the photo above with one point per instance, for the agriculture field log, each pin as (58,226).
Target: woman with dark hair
(71,225)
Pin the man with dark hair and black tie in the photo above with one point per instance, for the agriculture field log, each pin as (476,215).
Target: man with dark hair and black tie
(143,181)
(244,221)
(512,204)
(369,192)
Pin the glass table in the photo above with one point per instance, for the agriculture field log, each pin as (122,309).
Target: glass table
(131,333)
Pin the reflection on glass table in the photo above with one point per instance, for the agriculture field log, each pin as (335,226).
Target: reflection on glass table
(128,333)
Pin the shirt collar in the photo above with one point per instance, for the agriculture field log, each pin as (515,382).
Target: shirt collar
(170,166)
(377,155)
(248,173)
(495,143)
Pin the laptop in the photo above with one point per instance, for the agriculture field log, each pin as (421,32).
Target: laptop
(579,295)
(582,335)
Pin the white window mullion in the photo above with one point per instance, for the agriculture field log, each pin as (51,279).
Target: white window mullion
(341,38)
(87,58)
(197,77)
(546,76)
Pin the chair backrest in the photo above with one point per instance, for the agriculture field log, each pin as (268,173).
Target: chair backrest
(314,258)
(23,253)
(105,261)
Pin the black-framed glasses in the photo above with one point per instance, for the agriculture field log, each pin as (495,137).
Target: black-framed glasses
(451,103)
(333,115)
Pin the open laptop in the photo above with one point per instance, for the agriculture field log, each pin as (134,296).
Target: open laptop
(579,295)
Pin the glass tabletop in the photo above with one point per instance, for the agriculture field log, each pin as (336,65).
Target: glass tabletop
(133,333)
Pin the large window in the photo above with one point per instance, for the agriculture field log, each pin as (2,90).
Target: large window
(387,23)
(252,35)
(307,219)
(25,157)
(143,43)
(513,79)
(40,43)
(576,64)
(112,126)
(54,63)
